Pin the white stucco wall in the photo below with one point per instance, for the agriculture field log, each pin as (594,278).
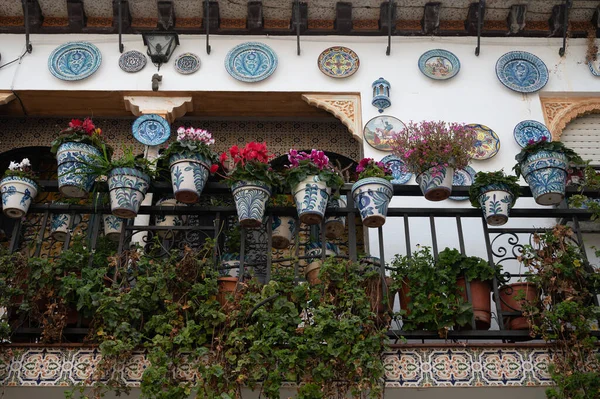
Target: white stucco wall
(474,96)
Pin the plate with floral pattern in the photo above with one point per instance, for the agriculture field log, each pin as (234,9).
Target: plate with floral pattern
(251,62)
(187,63)
(396,165)
(522,71)
(463,177)
(74,61)
(132,61)
(594,66)
(487,144)
(529,131)
(439,64)
(338,62)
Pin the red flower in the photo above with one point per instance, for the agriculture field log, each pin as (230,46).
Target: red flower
(214,168)
(223,157)
(88,126)
(75,123)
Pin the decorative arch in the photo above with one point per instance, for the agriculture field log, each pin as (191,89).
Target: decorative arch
(559,111)
(345,107)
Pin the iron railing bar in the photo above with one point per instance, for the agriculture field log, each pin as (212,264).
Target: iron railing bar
(269,246)
(407,236)
(490,254)
(40,240)
(16,233)
(434,244)
(351,219)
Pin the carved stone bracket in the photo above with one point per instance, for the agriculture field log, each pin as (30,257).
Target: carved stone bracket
(345,107)
(559,111)
(6,97)
(170,108)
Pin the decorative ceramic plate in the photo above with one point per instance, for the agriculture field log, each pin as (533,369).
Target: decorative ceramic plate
(251,62)
(379,131)
(338,62)
(187,63)
(74,60)
(531,131)
(151,129)
(488,143)
(522,71)
(396,165)
(463,177)
(595,66)
(132,61)
(439,64)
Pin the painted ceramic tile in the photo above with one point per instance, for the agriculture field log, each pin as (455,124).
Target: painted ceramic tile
(338,62)
(488,143)
(187,63)
(531,131)
(74,60)
(396,165)
(379,131)
(132,61)
(251,62)
(151,129)
(439,64)
(522,71)
(463,177)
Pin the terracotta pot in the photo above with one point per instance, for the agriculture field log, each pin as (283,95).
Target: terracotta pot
(226,286)
(404,296)
(508,303)
(480,298)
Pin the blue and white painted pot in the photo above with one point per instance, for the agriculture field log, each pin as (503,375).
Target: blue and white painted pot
(311,196)
(128,189)
(370,263)
(283,228)
(250,201)
(61,226)
(230,266)
(436,183)
(546,174)
(161,220)
(335,225)
(189,173)
(75,168)
(496,201)
(372,197)
(314,249)
(17,195)
(112,227)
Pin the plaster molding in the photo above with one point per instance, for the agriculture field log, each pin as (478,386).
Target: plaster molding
(6,97)
(169,108)
(559,111)
(345,107)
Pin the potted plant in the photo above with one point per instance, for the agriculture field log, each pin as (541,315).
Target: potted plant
(77,150)
(18,188)
(311,178)
(161,220)
(495,193)
(335,225)
(282,227)
(62,224)
(373,191)
(313,251)
(382,305)
(432,151)
(544,165)
(229,267)
(112,227)
(190,160)
(251,180)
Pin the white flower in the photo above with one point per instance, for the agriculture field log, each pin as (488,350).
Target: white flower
(13,166)
(25,163)
(181,130)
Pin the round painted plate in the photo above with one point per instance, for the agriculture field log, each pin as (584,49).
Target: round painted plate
(487,145)
(529,130)
(439,64)
(595,66)
(379,131)
(396,165)
(74,60)
(251,62)
(338,62)
(187,63)
(151,129)
(132,61)
(522,71)
(463,177)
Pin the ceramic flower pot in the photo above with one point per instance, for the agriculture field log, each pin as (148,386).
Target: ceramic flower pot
(282,231)
(480,298)
(127,188)
(230,266)
(250,201)
(311,196)
(112,227)
(372,197)
(75,168)
(436,183)
(189,173)
(509,303)
(546,174)
(335,225)
(314,264)
(61,225)
(17,195)
(161,220)
(226,289)
(495,201)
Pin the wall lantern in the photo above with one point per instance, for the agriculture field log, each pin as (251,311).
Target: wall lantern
(381,94)
(161,46)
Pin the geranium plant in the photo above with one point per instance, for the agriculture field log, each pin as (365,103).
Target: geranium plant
(368,167)
(81,132)
(486,179)
(127,160)
(198,141)
(250,163)
(316,163)
(434,145)
(544,145)
(22,169)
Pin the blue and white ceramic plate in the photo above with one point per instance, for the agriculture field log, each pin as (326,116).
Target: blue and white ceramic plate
(463,177)
(439,64)
(151,129)
(595,66)
(251,62)
(132,61)
(533,131)
(397,167)
(522,71)
(74,60)
(187,63)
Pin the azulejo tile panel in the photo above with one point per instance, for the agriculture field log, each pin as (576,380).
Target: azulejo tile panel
(408,367)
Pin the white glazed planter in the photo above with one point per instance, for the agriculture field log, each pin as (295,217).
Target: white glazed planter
(436,186)
(335,225)
(495,201)
(230,266)
(112,227)
(168,220)
(128,188)
(189,173)
(372,197)
(282,232)
(17,194)
(311,196)
(546,174)
(75,161)
(61,226)
(250,201)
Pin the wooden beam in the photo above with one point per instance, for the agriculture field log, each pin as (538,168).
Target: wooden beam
(473,18)
(36,18)
(215,17)
(303,17)
(516,19)
(556,21)
(255,19)
(125,15)
(596,21)
(384,9)
(343,17)
(166,15)
(77,17)
(430,23)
